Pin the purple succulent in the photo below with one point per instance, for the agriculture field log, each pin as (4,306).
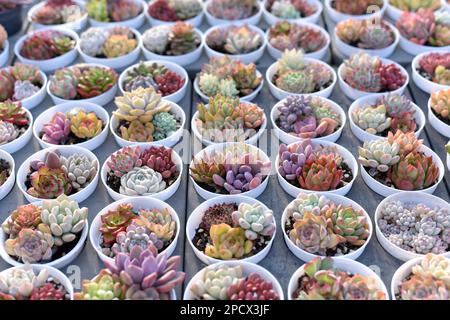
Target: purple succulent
(57,130)
(148,274)
(294,108)
(51,161)
(293,158)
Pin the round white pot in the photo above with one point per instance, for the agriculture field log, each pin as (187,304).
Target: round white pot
(174,97)
(351,266)
(246,58)
(289,138)
(181,60)
(416,197)
(448,161)
(48,114)
(249,97)
(195,21)
(348,50)
(162,195)
(52,271)
(271,19)
(347,158)
(57,263)
(102,99)
(213,21)
(4,55)
(337,16)
(436,123)
(49,64)
(415,49)
(22,140)
(195,219)
(282,94)
(319,54)
(118,62)
(254,193)
(356,94)
(363,135)
(66,151)
(394,13)
(385,191)
(6,187)
(306,256)
(167,142)
(424,84)
(138,203)
(135,22)
(252,140)
(401,274)
(77,25)
(248,268)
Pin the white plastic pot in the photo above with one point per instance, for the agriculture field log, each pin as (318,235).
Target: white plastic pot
(337,16)
(423,83)
(195,219)
(135,22)
(349,50)
(57,263)
(348,158)
(4,55)
(436,123)
(102,99)
(77,25)
(167,142)
(248,268)
(246,58)
(385,191)
(20,142)
(351,266)
(401,274)
(213,21)
(65,151)
(394,13)
(248,97)
(289,138)
(319,54)
(448,160)
(162,195)
(356,94)
(271,19)
(413,197)
(415,49)
(363,135)
(252,140)
(220,147)
(49,64)
(6,187)
(118,62)
(181,60)
(48,114)
(174,97)
(306,256)
(195,21)
(282,94)
(138,203)
(52,271)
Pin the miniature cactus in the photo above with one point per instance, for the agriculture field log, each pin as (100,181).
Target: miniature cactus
(254,220)
(228,243)
(79,169)
(141,181)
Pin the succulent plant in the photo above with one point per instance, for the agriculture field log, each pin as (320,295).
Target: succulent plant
(63,83)
(417,27)
(160,159)
(141,181)
(135,236)
(182,39)
(105,286)
(293,158)
(118,45)
(168,82)
(6,85)
(321,174)
(165,125)
(442,30)
(58,12)
(162,10)
(159,222)
(26,216)
(14,113)
(232,9)
(113,10)
(372,119)
(147,274)
(95,80)
(285,35)
(361,72)
(349,223)
(415,5)
(124,160)
(143,75)
(234,40)
(156,39)
(355,7)
(205,167)
(137,131)
(228,242)
(379,154)
(365,34)
(57,130)
(49,183)
(24,89)
(430,62)
(63,218)
(115,221)
(30,246)
(8,132)
(253,287)
(79,169)
(46,44)
(254,220)
(407,142)
(392,77)
(440,103)
(92,41)
(85,125)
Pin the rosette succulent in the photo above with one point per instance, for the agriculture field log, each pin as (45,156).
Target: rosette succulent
(435,67)
(285,35)
(440,104)
(365,34)
(46,44)
(55,12)
(173,10)
(234,40)
(113,10)
(356,8)
(232,9)
(290,9)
